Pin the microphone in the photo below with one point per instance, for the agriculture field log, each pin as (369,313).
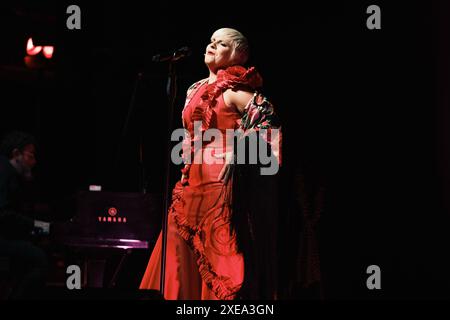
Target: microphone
(173,56)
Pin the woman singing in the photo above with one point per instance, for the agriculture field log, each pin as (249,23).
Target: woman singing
(206,252)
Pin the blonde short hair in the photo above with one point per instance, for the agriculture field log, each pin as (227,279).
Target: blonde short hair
(241,49)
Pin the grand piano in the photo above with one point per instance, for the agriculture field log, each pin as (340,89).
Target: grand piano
(105,225)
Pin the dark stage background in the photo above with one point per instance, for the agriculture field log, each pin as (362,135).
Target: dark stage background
(365,118)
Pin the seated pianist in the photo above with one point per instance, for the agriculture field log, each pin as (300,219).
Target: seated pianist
(83,230)
(28,263)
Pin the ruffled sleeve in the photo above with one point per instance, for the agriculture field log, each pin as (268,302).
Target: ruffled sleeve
(259,115)
(238,78)
(235,78)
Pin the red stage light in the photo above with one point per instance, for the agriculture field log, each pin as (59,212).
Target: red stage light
(34,50)
(48,51)
(31,49)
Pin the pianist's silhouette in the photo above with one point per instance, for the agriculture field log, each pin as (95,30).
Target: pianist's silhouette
(27,263)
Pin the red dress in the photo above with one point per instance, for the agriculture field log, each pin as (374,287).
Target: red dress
(203,261)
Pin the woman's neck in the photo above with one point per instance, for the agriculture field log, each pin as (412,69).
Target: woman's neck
(212,77)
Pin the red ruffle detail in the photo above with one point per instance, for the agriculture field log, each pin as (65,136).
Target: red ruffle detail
(236,77)
(222,286)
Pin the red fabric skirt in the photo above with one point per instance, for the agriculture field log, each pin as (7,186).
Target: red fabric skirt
(202,259)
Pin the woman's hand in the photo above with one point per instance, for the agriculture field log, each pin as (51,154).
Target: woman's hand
(227,169)
(185,174)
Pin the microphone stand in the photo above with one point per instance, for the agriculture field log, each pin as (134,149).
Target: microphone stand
(171,90)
